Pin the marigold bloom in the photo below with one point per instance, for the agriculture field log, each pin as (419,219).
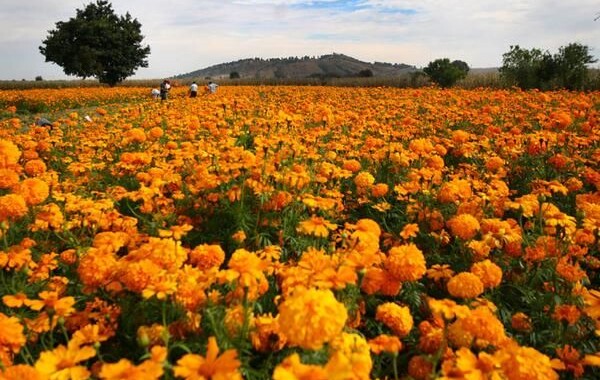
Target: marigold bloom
(385,343)
(12,206)
(8,178)
(211,366)
(465,226)
(9,153)
(364,180)
(489,273)
(465,285)
(291,368)
(207,256)
(11,334)
(525,363)
(350,355)
(396,317)
(21,372)
(410,230)
(327,317)
(62,362)
(406,263)
(316,226)
(33,190)
(34,167)
(379,190)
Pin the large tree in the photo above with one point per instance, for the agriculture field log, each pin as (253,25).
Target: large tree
(97,43)
(534,68)
(446,73)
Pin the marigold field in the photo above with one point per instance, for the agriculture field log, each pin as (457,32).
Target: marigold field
(300,233)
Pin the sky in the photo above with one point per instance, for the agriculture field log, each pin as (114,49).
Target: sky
(188,35)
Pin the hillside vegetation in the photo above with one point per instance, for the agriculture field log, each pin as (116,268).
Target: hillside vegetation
(328,66)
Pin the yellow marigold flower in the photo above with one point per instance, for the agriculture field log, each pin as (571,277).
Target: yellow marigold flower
(52,301)
(33,190)
(207,256)
(364,180)
(291,368)
(350,355)
(11,334)
(455,190)
(489,273)
(8,178)
(12,206)
(385,343)
(61,363)
(21,372)
(311,317)
(465,226)
(210,366)
(525,363)
(480,327)
(247,271)
(465,285)
(396,317)
(406,263)
(9,153)
(316,226)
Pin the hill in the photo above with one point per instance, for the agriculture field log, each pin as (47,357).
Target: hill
(326,66)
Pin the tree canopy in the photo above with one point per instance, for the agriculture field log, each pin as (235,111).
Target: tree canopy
(97,43)
(534,68)
(446,73)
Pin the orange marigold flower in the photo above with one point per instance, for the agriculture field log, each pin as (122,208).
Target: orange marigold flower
(12,206)
(207,256)
(489,273)
(525,363)
(420,368)
(465,226)
(379,190)
(410,230)
(567,313)
(33,190)
(385,343)
(210,366)
(21,372)
(364,180)
(35,167)
(316,226)
(327,317)
(465,285)
(11,334)
(521,322)
(396,317)
(9,153)
(406,263)
(351,165)
(8,178)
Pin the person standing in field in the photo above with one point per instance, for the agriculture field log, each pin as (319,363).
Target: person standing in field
(193,90)
(165,86)
(212,87)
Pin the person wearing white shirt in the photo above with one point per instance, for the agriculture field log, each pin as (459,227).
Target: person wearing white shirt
(212,87)
(193,90)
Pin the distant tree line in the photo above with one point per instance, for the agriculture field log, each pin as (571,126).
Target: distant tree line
(526,68)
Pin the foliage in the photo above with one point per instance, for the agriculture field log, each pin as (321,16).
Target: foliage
(234,75)
(539,69)
(446,73)
(97,43)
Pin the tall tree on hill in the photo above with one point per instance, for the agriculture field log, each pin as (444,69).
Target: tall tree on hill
(97,43)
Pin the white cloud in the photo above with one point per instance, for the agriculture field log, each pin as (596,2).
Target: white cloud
(186,35)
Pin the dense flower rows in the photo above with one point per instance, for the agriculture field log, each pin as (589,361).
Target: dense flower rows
(301,233)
